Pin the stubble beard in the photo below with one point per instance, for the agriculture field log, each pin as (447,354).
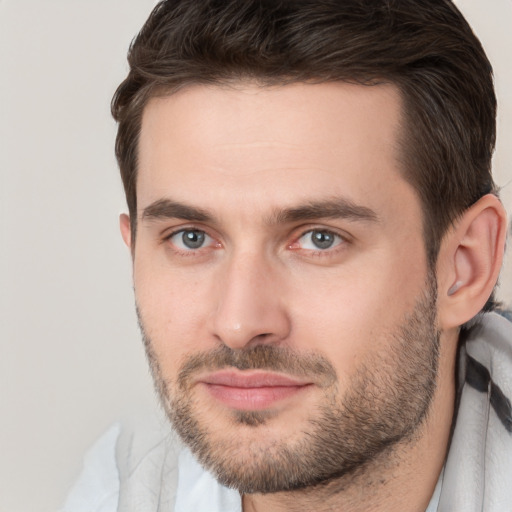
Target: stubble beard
(384,407)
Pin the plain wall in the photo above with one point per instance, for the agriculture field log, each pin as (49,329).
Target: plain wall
(71,362)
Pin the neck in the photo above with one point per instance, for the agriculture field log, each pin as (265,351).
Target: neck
(402,478)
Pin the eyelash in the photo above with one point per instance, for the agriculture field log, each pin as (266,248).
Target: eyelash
(343,240)
(340,242)
(189,251)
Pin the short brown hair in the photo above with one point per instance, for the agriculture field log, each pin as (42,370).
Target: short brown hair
(426,49)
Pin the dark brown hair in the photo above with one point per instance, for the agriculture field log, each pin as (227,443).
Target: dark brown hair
(426,49)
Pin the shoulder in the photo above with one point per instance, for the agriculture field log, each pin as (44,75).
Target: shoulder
(97,487)
(489,343)
(132,466)
(488,366)
(479,463)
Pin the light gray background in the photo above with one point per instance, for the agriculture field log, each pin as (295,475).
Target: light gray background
(71,361)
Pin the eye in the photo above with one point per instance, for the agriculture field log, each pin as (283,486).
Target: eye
(319,239)
(190,239)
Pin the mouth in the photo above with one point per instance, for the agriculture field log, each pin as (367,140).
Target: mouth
(251,390)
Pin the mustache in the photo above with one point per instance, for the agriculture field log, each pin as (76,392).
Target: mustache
(258,357)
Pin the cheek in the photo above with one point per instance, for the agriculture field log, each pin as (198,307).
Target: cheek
(173,309)
(355,313)
(338,325)
(344,314)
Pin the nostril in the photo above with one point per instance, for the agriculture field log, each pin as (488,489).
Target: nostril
(263,337)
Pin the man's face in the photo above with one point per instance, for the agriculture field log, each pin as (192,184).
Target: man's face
(281,279)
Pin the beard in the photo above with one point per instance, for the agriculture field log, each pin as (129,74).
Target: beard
(384,406)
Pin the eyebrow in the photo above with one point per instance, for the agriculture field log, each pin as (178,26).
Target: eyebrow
(335,208)
(168,209)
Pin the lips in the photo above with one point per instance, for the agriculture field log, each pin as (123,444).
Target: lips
(251,390)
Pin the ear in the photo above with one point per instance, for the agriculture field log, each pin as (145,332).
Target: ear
(126,231)
(470,260)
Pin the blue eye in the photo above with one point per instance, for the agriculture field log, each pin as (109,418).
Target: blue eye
(190,239)
(319,239)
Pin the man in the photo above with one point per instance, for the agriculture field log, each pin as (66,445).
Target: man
(315,234)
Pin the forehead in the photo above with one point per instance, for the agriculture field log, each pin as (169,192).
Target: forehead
(270,144)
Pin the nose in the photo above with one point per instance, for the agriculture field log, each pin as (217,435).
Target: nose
(251,307)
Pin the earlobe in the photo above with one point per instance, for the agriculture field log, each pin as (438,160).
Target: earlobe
(470,261)
(124,225)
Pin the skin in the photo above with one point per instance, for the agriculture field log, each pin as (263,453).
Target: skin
(242,154)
